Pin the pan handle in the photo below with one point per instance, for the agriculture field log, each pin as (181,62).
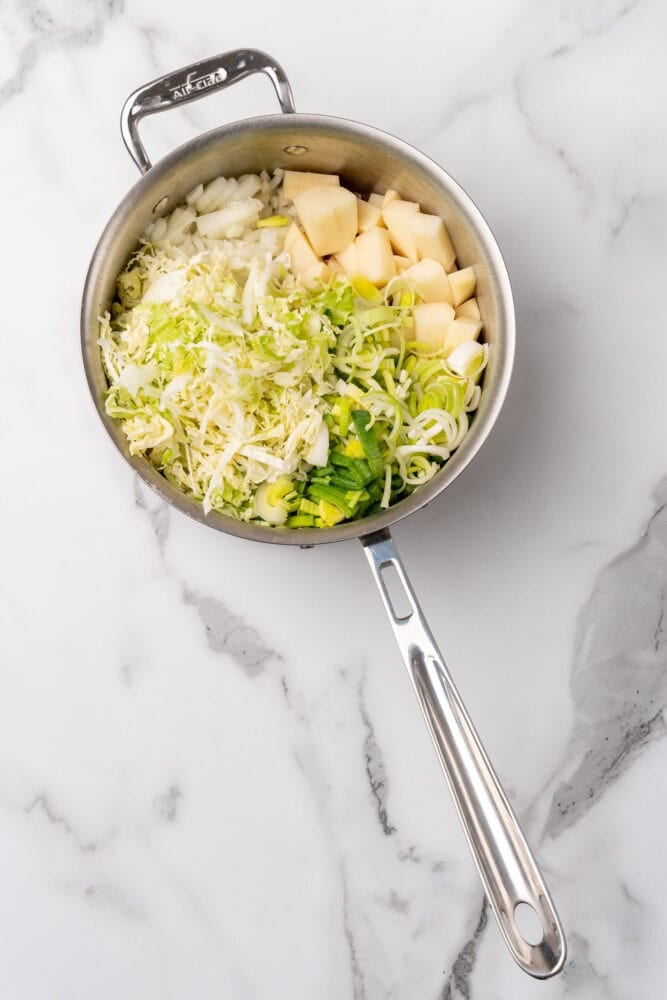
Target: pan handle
(192,83)
(508,870)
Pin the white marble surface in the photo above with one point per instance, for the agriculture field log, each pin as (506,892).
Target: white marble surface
(214,780)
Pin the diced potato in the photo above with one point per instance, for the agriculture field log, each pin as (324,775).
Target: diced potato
(431,280)
(401,262)
(432,239)
(375,199)
(433,321)
(291,235)
(374,257)
(469,308)
(398,216)
(462,329)
(296,181)
(388,196)
(314,276)
(368,216)
(302,255)
(329,217)
(347,259)
(463,284)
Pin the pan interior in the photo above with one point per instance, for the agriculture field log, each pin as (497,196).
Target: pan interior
(366,160)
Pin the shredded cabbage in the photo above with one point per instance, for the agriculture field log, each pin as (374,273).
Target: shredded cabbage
(229,375)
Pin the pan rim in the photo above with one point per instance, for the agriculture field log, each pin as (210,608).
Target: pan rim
(473,441)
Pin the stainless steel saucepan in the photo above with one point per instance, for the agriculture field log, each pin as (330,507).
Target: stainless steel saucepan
(367,159)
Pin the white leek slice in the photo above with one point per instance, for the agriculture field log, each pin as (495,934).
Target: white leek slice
(467,359)
(386,493)
(319,451)
(269,503)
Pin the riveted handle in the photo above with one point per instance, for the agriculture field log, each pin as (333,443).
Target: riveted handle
(506,865)
(193,82)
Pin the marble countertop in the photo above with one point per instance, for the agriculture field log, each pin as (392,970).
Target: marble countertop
(214,777)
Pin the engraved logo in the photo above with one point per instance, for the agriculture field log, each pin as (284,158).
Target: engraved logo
(194,83)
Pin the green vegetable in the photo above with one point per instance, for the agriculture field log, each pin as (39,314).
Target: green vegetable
(368,441)
(261,398)
(332,495)
(273,220)
(300,521)
(129,287)
(355,468)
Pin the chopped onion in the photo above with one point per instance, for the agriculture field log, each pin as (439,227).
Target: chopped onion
(262,398)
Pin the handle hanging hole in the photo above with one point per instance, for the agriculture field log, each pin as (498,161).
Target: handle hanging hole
(295,150)
(528,923)
(399,599)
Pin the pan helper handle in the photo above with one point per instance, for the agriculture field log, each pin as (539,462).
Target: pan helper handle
(509,872)
(192,83)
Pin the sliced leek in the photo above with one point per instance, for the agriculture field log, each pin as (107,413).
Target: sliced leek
(266,398)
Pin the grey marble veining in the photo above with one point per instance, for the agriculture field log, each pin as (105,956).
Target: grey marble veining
(34,31)
(619,691)
(619,676)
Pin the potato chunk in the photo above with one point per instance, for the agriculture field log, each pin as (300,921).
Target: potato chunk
(302,255)
(347,259)
(398,216)
(374,257)
(469,308)
(296,181)
(315,276)
(462,329)
(431,280)
(432,239)
(368,216)
(463,284)
(329,217)
(433,321)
